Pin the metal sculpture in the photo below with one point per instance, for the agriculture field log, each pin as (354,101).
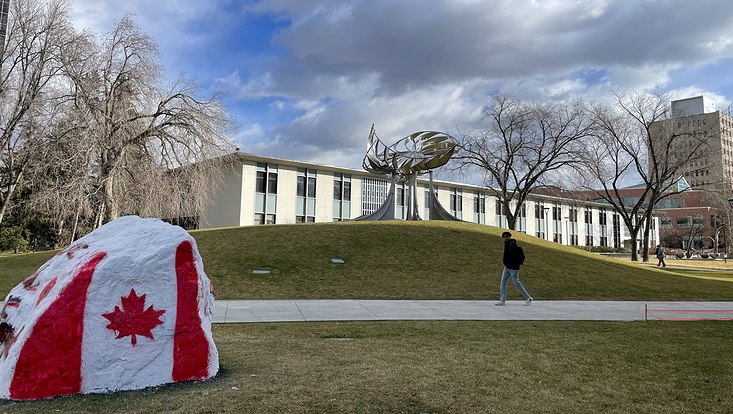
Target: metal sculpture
(414,155)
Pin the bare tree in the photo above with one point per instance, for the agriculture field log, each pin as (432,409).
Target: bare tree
(522,145)
(148,142)
(37,34)
(631,141)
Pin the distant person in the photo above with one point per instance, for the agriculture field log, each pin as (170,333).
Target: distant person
(513,258)
(660,256)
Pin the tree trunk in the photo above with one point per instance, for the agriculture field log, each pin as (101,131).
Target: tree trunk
(59,230)
(110,210)
(511,221)
(645,246)
(634,244)
(76,222)
(11,189)
(100,217)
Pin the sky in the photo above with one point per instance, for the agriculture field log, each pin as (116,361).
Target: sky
(305,79)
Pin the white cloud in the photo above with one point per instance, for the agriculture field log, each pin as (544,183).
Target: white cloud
(413,64)
(639,77)
(279,105)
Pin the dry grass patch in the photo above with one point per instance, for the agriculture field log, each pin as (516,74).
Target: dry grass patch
(448,367)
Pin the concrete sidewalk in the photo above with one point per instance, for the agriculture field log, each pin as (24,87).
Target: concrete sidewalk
(304,310)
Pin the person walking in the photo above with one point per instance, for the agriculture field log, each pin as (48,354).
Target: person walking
(660,256)
(513,258)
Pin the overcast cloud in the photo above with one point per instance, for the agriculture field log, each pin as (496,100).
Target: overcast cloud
(306,79)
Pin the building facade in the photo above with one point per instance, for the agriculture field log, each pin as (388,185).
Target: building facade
(689,219)
(714,170)
(261,190)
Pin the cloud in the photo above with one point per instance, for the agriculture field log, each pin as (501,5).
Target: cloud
(313,75)
(413,44)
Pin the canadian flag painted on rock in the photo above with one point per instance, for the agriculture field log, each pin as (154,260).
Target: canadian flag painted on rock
(126,307)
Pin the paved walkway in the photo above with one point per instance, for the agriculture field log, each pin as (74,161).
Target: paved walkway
(303,310)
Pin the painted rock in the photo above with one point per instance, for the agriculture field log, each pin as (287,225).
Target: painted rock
(126,307)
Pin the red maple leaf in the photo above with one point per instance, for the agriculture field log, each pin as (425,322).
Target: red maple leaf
(132,320)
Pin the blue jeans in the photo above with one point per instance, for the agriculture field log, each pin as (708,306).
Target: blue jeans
(514,274)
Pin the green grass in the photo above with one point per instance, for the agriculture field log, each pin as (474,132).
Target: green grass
(433,366)
(448,367)
(410,260)
(16,267)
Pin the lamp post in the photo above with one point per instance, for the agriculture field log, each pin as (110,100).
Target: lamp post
(725,259)
(717,233)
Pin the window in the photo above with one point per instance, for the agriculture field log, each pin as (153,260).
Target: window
(684,221)
(540,213)
(272,183)
(401,199)
(426,208)
(616,231)
(715,221)
(341,196)
(265,194)
(456,203)
(305,200)
(588,226)
(500,214)
(602,219)
(573,226)
(264,218)
(260,185)
(373,194)
(522,219)
(557,223)
(479,208)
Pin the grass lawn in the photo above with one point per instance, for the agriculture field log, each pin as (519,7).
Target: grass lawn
(448,367)
(433,366)
(718,264)
(410,260)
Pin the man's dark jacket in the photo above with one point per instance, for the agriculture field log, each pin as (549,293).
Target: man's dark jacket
(513,254)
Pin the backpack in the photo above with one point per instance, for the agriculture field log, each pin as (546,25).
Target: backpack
(520,254)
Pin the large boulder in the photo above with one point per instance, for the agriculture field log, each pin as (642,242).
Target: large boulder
(126,307)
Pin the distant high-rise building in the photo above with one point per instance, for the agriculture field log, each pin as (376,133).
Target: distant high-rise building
(4,6)
(714,170)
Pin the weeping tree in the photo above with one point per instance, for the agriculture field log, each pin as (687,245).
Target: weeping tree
(150,145)
(61,184)
(523,144)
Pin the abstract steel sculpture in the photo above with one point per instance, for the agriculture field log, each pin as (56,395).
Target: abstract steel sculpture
(414,155)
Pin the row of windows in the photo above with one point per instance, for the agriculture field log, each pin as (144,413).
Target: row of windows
(375,192)
(692,123)
(305,190)
(690,221)
(572,227)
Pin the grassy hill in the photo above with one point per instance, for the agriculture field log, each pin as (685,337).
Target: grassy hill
(408,260)
(432,366)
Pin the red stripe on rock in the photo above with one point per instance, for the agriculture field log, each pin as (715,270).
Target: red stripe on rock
(49,363)
(190,346)
(46,290)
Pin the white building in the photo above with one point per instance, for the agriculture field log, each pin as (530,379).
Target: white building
(265,190)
